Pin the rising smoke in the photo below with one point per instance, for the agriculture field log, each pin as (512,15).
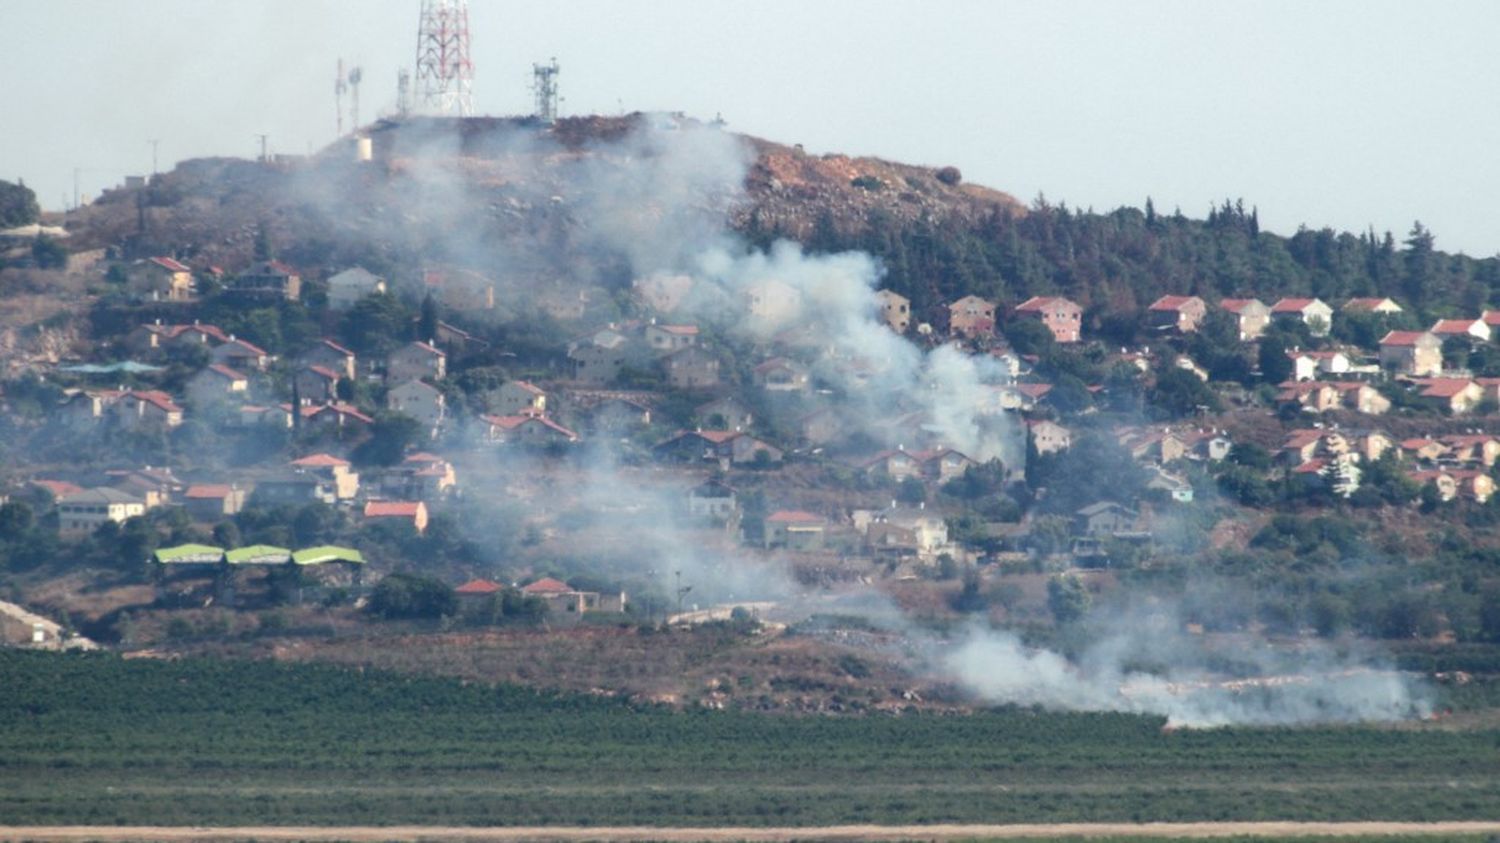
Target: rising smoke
(659,198)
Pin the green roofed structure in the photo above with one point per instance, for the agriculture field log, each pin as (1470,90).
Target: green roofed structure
(259,554)
(327,553)
(190,554)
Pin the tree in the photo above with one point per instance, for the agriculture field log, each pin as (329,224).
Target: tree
(412,596)
(911,491)
(1029,336)
(48,253)
(16,519)
(17,205)
(1179,392)
(1419,264)
(1067,598)
(1275,366)
(390,436)
(376,324)
(427,322)
(263,248)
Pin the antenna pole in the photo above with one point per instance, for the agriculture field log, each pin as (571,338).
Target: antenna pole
(264,157)
(339,86)
(155,142)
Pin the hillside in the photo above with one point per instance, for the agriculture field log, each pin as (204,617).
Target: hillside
(511,198)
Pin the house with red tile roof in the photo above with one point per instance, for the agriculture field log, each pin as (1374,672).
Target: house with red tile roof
(337,414)
(943,464)
(726,447)
(665,339)
(1063,317)
(780,374)
(891,465)
(1300,446)
(1456,482)
(1473,448)
(408,512)
(894,310)
(794,530)
(241,355)
(419,400)
(337,472)
(421,476)
(971,316)
(214,385)
(692,367)
(146,409)
(161,279)
(565,603)
(1415,353)
(331,355)
(317,384)
(478,588)
(1313,313)
(267,281)
(1176,313)
(1474,329)
(1454,395)
(520,398)
(1252,316)
(210,503)
(1423,449)
(1048,437)
(416,361)
(527,430)
(155,335)
(58,488)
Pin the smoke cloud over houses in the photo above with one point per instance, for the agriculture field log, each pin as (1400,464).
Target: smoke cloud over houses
(657,200)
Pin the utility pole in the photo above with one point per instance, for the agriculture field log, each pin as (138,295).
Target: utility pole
(681,591)
(75,188)
(155,142)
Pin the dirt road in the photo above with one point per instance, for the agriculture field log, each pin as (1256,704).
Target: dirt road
(561,834)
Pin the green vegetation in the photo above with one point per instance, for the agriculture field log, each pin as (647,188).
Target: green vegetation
(17,205)
(96,739)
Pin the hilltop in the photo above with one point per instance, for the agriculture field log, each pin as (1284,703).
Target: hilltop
(517,188)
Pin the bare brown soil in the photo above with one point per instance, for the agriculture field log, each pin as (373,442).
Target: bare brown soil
(1193,831)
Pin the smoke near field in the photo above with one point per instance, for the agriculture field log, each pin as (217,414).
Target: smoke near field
(1144,663)
(655,201)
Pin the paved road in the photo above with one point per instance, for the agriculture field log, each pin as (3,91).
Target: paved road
(437,834)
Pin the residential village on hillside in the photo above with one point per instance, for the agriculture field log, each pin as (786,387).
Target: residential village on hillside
(1347,398)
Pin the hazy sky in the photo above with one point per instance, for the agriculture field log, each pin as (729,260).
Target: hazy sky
(1345,114)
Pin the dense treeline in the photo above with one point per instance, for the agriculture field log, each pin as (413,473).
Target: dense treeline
(1123,260)
(97,739)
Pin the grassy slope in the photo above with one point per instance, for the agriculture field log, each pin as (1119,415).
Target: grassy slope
(99,740)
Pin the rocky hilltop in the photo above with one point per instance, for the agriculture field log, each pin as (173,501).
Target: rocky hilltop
(478,190)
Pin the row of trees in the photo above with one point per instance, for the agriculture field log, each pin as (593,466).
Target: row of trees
(1123,260)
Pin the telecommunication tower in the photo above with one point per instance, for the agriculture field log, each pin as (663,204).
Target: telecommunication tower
(355,75)
(340,87)
(544,86)
(445,76)
(403,92)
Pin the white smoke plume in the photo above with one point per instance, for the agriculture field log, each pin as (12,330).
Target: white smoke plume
(659,199)
(1143,662)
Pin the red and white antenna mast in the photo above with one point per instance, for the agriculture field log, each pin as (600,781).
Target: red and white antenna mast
(445,76)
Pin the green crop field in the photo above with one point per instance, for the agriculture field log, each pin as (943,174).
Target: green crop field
(92,739)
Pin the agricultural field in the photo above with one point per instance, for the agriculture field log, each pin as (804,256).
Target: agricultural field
(98,740)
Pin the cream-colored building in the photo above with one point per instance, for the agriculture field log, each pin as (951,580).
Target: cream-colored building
(81,513)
